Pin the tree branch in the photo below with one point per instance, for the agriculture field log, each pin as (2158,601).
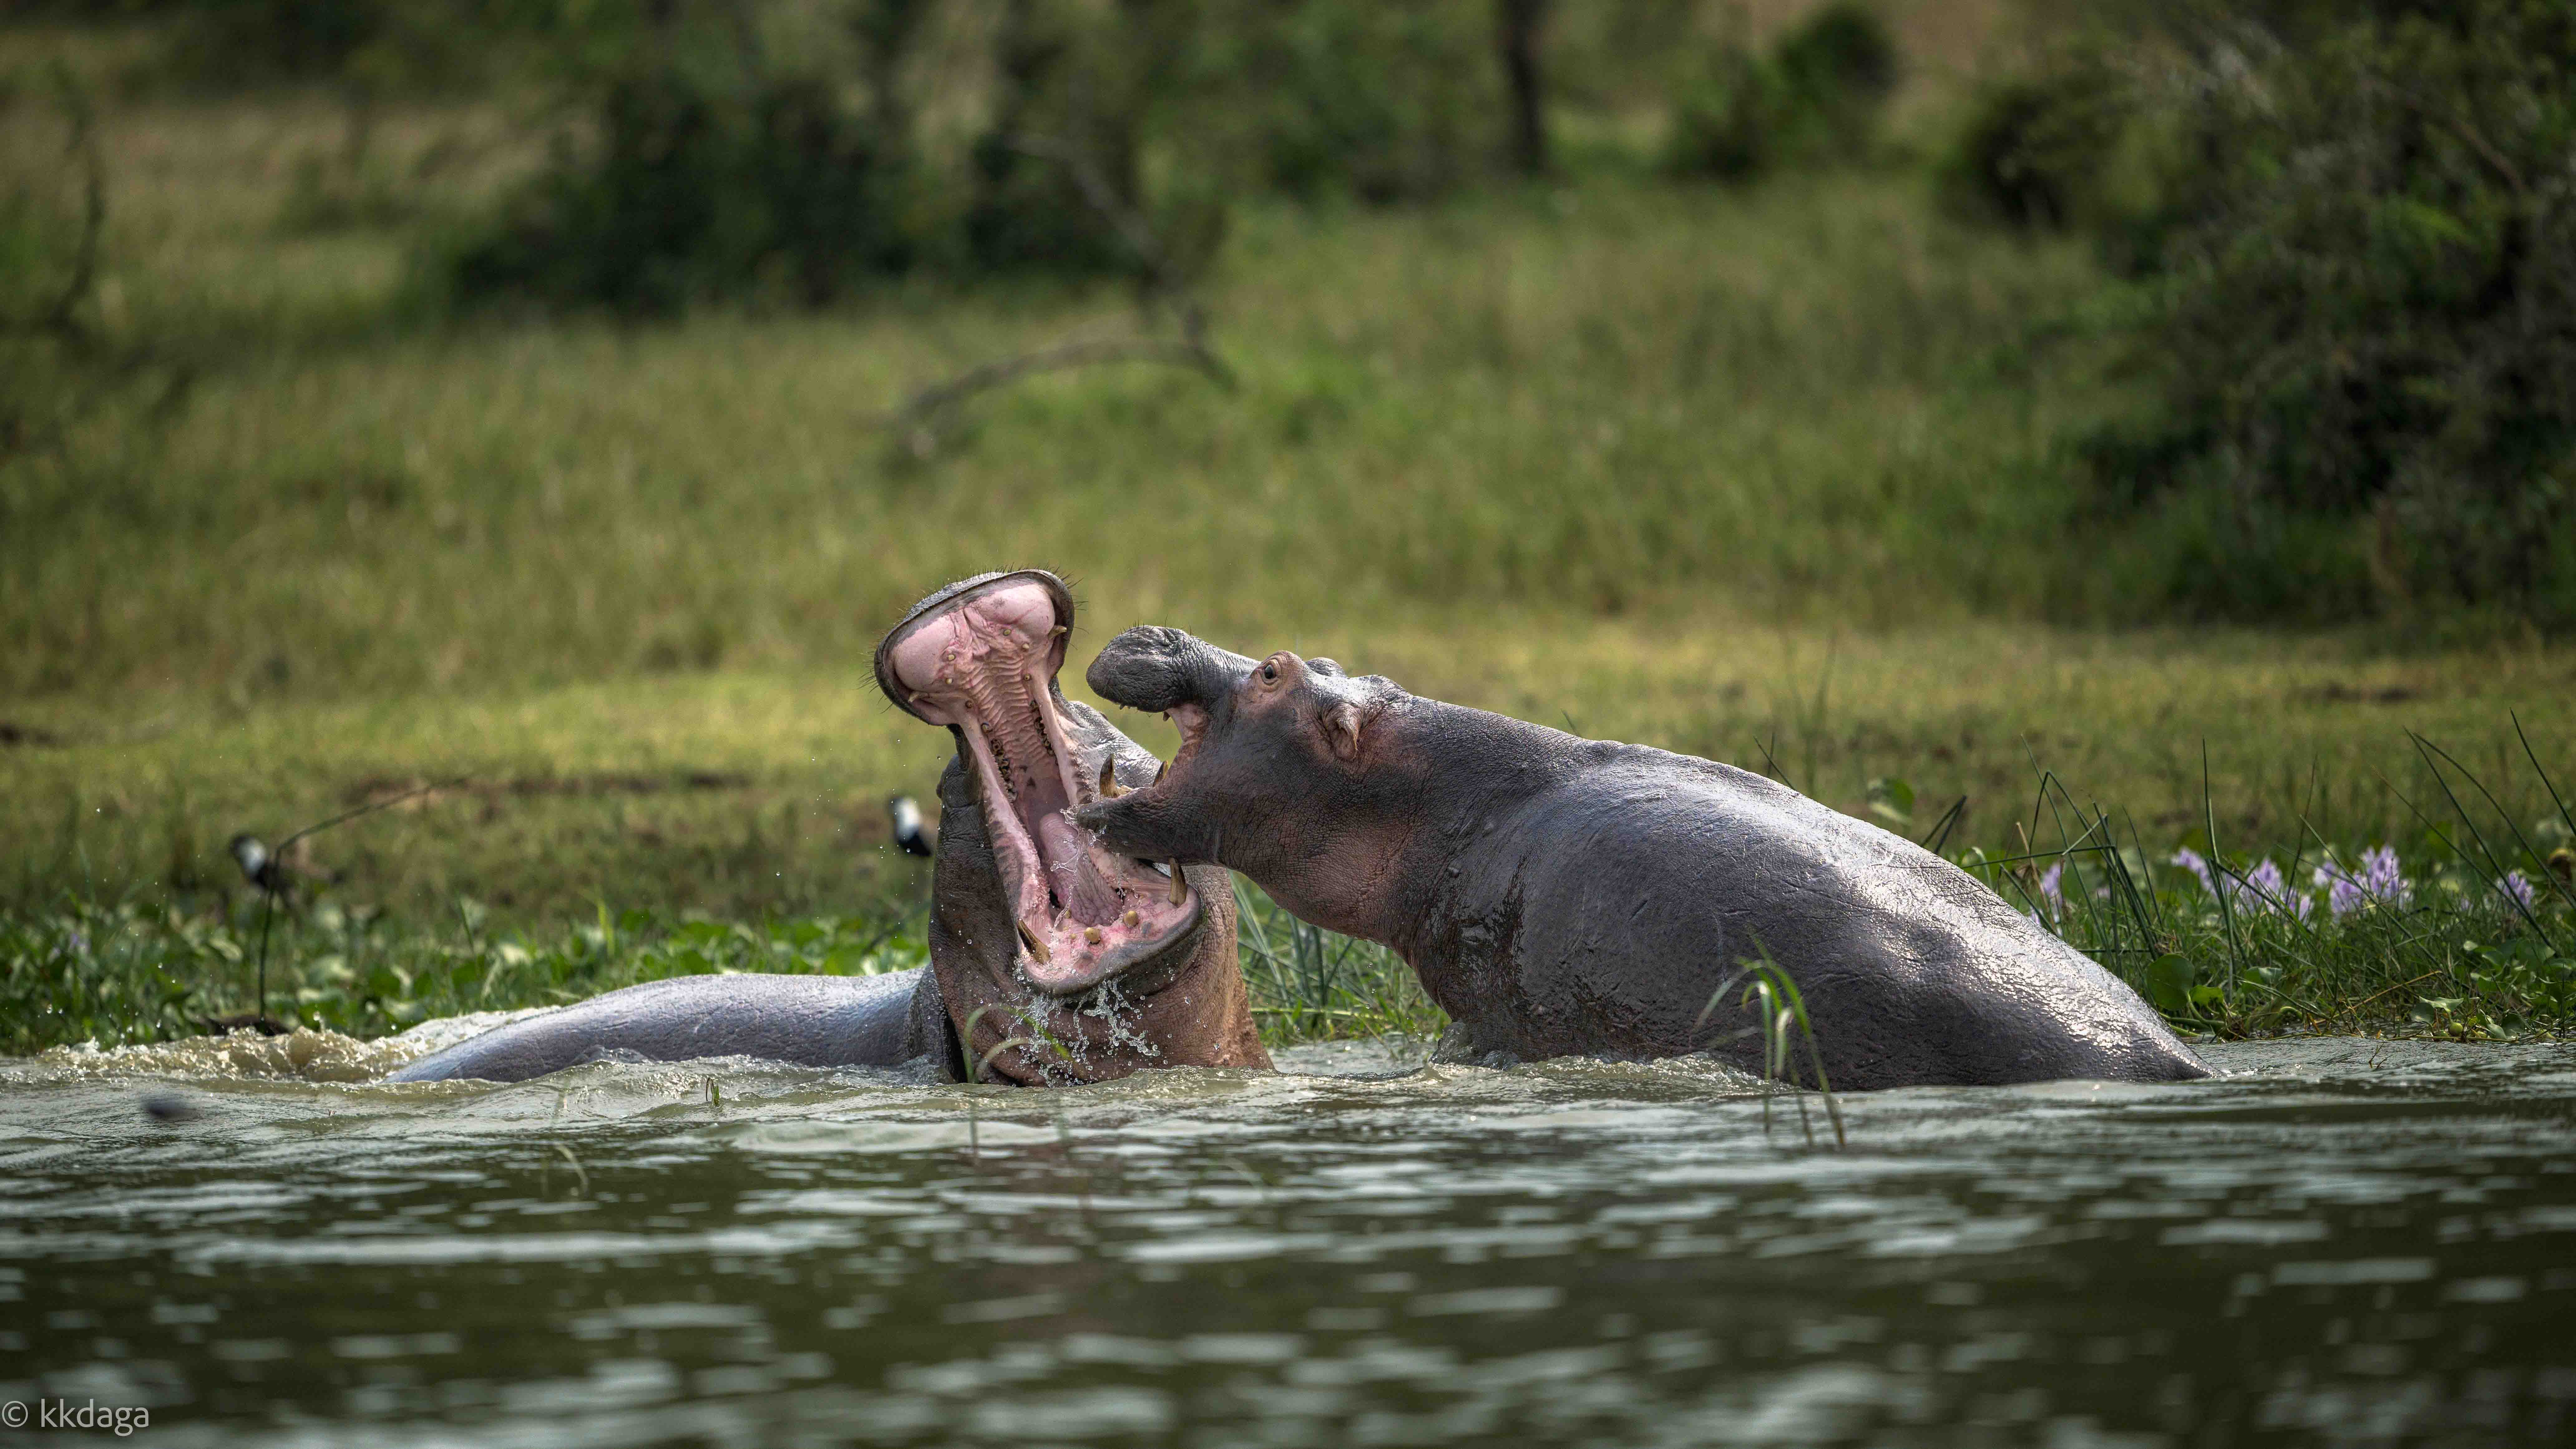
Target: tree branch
(1163,280)
(61,317)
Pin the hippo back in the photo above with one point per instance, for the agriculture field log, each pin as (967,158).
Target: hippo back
(1614,908)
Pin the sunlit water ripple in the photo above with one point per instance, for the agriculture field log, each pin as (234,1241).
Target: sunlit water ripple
(2339,1241)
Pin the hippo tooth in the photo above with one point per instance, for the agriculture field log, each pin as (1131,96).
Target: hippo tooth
(1036,947)
(1128,919)
(1180,889)
(1091,934)
(1161,770)
(1109,787)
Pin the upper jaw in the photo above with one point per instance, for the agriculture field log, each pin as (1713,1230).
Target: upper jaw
(961,594)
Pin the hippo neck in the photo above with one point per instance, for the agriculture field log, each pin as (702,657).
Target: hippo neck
(1474,770)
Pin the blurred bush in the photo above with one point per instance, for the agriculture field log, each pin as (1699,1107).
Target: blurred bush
(2356,303)
(382,47)
(1816,99)
(2040,151)
(706,170)
(47,259)
(716,165)
(1381,102)
(64,357)
(695,190)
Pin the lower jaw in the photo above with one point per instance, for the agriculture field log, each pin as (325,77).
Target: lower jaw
(1110,917)
(1143,976)
(1073,967)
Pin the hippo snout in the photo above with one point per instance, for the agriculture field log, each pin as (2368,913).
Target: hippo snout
(1155,669)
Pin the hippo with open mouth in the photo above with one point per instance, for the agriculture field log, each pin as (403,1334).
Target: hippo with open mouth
(1052,961)
(1559,895)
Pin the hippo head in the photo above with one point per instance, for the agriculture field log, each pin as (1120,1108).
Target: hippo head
(981,657)
(1284,771)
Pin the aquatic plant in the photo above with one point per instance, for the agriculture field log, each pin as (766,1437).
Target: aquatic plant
(85,971)
(2380,880)
(2468,934)
(1779,1007)
(1310,984)
(2516,888)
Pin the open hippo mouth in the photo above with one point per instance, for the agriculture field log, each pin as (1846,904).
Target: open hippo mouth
(981,657)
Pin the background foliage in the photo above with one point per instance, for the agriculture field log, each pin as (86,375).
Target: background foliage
(2350,228)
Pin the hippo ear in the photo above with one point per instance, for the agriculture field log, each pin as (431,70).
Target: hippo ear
(1342,730)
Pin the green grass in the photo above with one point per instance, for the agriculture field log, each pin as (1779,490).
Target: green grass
(1609,399)
(127,973)
(1766,477)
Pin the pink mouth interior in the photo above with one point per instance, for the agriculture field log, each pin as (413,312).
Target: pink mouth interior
(984,664)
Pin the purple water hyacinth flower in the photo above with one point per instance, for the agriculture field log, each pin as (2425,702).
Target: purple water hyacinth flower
(2379,881)
(2048,888)
(2381,877)
(2265,888)
(2516,887)
(2198,864)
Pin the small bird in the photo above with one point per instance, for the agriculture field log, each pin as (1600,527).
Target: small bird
(276,876)
(280,872)
(910,833)
(258,867)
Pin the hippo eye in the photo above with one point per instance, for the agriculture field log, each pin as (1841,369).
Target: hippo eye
(1270,674)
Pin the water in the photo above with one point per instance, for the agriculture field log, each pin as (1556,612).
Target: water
(2339,1242)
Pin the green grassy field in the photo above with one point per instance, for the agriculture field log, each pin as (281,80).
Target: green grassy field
(1768,477)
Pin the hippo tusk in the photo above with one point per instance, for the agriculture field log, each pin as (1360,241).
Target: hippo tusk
(1110,789)
(1161,770)
(1036,947)
(1180,888)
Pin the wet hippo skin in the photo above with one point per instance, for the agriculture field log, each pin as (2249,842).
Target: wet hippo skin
(1052,961)
(1560,896)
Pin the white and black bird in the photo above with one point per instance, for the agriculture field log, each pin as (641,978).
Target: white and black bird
(910,833)
(258,866)
(287,873)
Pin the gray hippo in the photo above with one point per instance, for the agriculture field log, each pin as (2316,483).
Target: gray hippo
(1560,896)
(1052,962)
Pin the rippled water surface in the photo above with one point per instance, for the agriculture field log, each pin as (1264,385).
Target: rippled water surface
(2340,1241)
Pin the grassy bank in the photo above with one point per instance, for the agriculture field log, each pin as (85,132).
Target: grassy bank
(744,794)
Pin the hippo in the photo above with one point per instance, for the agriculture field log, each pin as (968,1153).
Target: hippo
(1052,962)
(1562,896)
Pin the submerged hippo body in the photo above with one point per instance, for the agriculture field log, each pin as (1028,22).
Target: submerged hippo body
(1051,961)
(814,1021)
(1560,896)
